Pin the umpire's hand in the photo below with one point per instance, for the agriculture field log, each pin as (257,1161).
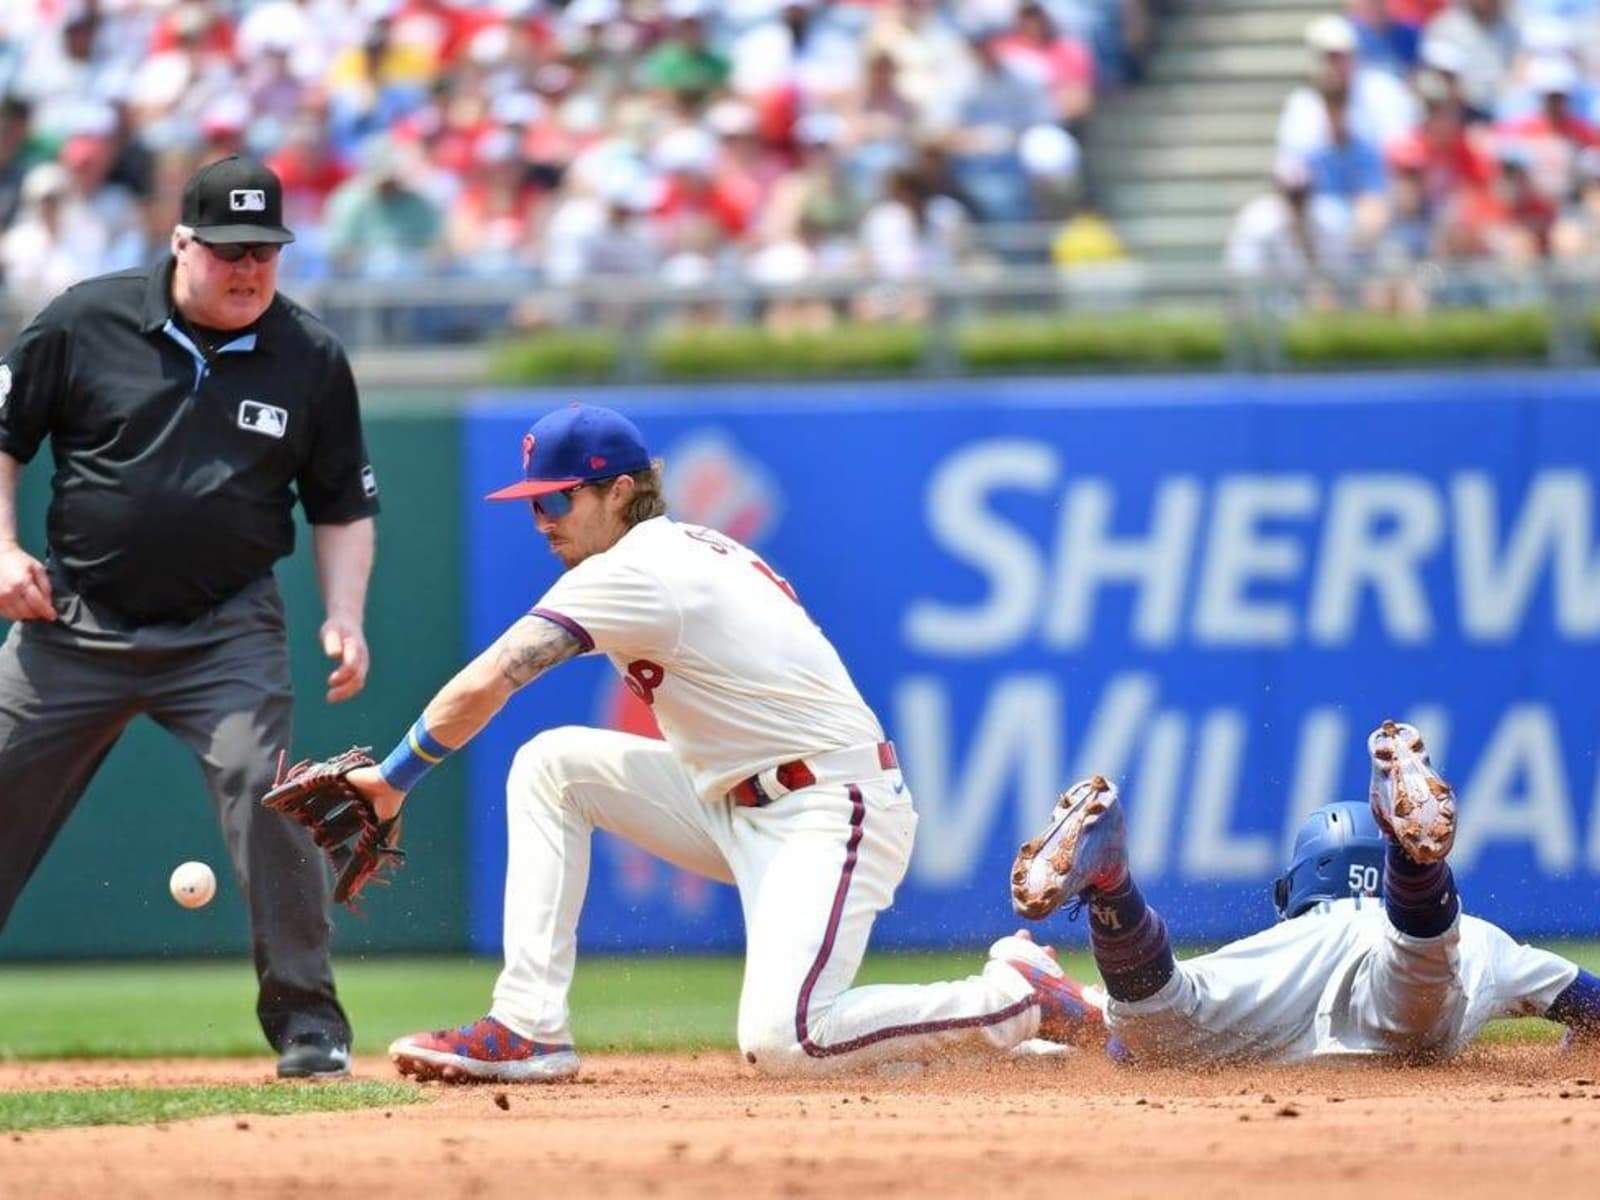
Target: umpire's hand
(24,586)
(346,644)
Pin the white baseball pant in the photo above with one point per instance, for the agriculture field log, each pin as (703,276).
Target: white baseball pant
(814,868)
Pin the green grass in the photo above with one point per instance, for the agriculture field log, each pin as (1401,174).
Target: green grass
(21,1111)
(150,1010)
(197,1009)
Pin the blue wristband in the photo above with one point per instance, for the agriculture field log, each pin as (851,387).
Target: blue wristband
(417,754)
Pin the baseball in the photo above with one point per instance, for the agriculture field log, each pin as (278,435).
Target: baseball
(192,884)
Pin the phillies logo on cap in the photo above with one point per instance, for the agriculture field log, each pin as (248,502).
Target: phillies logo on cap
(573,445)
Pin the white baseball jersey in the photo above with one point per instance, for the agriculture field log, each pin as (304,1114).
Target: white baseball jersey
(703,631)
(1341,980)
(740,680)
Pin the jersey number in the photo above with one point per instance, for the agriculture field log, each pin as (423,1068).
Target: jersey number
(643,678)
(1363,880)
(722,546)
(784,585)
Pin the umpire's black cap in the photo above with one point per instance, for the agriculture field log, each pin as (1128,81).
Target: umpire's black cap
(234,200)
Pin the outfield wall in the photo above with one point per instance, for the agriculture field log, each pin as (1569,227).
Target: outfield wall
(102,890)
(1207,588)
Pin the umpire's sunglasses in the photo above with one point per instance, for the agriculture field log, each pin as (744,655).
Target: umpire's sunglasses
(232,252)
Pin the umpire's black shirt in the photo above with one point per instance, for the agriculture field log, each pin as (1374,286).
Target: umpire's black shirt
(177,467)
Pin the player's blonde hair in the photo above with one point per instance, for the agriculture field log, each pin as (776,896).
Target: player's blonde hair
(648,500)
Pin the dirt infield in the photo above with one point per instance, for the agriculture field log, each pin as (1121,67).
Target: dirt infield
(1501,1121)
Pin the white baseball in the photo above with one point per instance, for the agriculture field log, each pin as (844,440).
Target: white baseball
(193,884)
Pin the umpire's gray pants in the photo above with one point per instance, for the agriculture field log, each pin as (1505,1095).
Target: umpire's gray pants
(220,684)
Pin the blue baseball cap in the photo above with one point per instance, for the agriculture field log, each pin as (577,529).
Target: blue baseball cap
(581,443)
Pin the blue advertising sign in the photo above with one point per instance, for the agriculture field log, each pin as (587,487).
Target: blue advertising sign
(1207,589)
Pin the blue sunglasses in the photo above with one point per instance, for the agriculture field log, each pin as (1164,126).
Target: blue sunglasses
(556,505)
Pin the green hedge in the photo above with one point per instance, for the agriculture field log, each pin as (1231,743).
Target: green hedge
(848,350)
(1018,343)
(1458,335)
(564,355)
(1168,339)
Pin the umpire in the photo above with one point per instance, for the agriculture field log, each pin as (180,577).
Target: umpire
(187,406)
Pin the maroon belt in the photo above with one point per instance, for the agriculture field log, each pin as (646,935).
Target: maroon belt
(830,766)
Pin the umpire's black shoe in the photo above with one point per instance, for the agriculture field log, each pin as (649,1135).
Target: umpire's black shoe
(314,1056)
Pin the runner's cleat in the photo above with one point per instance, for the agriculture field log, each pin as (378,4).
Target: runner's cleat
(1410,800)
(1084,847)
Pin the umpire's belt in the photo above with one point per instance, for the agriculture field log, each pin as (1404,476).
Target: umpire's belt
(830,766)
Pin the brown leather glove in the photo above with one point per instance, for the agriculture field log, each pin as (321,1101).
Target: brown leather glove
(342,821)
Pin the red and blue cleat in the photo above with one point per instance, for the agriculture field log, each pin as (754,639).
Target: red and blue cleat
(485,1050)
(1069,1012)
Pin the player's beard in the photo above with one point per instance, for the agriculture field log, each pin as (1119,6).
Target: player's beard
(562,549)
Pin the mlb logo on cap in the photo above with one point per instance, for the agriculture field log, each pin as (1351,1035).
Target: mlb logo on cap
(582,443)
(234,200)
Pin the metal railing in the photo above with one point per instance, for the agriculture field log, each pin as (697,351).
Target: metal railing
(370,312)
(452,310)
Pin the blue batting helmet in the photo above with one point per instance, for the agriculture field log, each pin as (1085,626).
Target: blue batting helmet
(1338,852)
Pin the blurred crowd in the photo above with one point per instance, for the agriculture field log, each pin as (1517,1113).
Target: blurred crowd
(689,141)
(1433,134)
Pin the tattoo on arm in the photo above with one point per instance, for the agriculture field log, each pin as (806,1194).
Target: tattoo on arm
(531,647)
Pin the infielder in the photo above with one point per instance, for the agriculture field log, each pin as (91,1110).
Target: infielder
(1344,973)
(774,776)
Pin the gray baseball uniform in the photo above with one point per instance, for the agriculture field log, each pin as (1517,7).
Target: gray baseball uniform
(1338,981)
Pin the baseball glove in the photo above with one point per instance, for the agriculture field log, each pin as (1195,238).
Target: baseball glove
(342,821)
